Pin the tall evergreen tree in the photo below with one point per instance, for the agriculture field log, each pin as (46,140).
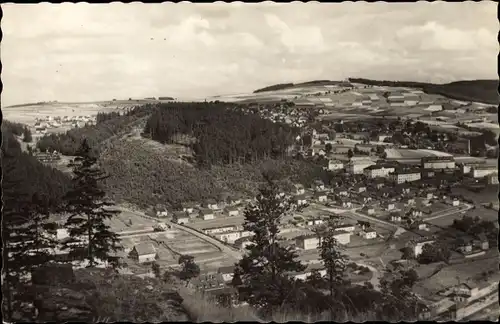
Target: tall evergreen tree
(265,269)
(91,239)
(189,269)
(27,233)
(15,211)
(27,137)
(330,252)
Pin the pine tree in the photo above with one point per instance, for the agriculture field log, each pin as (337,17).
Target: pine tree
(16,202)
(331,254)
(91,239)
(189,269)
(26,231)
(155,268)
(27,137)
(266,268)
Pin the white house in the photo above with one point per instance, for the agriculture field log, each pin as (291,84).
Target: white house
(346,204)
(405,176)
(312,222)
(181,218)
(440,162)
(310,242)
(219,229)
(227,273)
(307,242)
(368,210)
(389,206)
(335,165)
(207,214)
(211,204)
(320,196)
(376,171)
(357,166)
(481,172)
(395,218)
(345,228)
(188,208)
(299,189)
(301,200)
(319,185)
(369,234)
(232,211)
(229,237)
(417,246)
(143,253)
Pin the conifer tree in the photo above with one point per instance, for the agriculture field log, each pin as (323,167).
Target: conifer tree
(27,232)
(330,252)
(91,239)
(189,269)
(265,270)
(15,199)
(27,137)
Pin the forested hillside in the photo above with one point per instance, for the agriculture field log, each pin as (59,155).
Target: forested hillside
(222,135)
(485,91)
(108,125)
(146,177)
(26,173)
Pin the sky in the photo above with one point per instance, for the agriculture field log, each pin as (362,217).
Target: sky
(86,52)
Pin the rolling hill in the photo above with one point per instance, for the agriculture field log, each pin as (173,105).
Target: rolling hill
(283,86)
(485,91)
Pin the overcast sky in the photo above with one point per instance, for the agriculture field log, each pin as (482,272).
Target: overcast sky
(82,52)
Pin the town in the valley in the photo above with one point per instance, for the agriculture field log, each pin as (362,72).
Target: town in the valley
(407,178)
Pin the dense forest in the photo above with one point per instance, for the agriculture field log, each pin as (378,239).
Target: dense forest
(145,177)
(275,87)
(222,135)
(474,90)
(28,172)
(108,125)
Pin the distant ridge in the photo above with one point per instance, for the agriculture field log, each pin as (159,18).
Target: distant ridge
(283,86)
(485,91)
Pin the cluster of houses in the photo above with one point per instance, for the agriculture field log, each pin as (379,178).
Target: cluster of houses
(42,124)
(208,210)
(47,157)
(293,116)
(465,244)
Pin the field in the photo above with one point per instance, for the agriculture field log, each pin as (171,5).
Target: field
(28,114)
(452,275)
(128,221)
(413,154)
(446,220)
(173,243)
(200,224)
(490,194)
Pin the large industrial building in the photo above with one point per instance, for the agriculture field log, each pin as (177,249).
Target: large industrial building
(438,162)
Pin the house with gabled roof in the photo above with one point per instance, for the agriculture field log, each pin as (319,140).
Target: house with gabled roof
(143,253)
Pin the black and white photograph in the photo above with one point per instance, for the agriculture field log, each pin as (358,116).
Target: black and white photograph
(250,162)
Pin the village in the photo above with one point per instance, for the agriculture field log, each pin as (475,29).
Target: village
(396,185)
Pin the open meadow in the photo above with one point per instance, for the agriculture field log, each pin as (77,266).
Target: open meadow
(28,114)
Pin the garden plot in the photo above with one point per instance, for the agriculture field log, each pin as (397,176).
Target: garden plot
(187,244)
